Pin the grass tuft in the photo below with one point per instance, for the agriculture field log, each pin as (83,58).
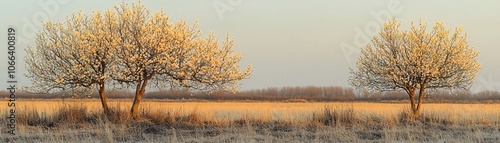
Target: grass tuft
(343,116)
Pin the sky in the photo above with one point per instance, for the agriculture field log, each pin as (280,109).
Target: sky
(287,42)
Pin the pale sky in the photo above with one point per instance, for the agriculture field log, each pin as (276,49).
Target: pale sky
(288,42)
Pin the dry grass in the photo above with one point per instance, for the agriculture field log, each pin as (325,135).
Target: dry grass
(82,121)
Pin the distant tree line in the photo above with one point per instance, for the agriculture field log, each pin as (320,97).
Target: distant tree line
(293,94)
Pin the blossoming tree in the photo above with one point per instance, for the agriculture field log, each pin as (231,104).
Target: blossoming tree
(74,54)
(416,60)
(130,47)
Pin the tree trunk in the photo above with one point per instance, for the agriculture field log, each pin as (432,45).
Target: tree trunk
(103,98)
(420,101)
(135,105)
(411,93)
(139,93)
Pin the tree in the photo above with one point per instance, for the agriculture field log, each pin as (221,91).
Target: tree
(416,60)
(171,54)
(74,54)
(129,47)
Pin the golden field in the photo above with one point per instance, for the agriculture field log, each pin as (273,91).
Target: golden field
(274,110)
(238,121)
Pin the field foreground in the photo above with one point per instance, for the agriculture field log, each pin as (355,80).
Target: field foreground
(164,121)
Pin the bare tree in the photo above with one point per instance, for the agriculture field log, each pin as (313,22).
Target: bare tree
(416,60)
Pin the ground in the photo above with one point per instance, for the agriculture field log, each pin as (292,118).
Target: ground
(204,121)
